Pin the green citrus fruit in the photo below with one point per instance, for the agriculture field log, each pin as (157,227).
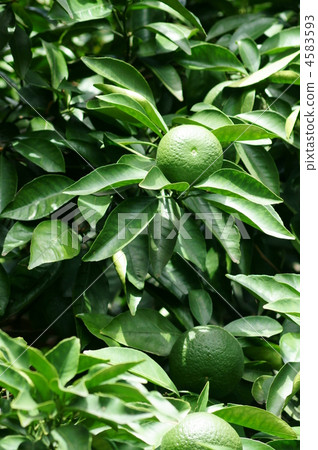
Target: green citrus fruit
(207,353)
(200,431)
(189,153)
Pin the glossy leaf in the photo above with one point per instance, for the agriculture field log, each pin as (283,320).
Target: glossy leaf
(191,244)
(95,322)
(217,223)
(261,165)
(254,326)
(261,387)
(147,330)
(284,386)
(287,306)
(52,241)
(107,177)
(21,51)
(252,29)
(249,54)
(239,184)
(252,444)
(71,437)
(120,73)
(256,419)
(147,369)
(163,234)
(42,153)
(271,121)
(137,259)
(229,23)
(265,287)
(76,11)
(17,236)
(206,56)
(93,208)
(123,224)
(285,39)
(64,357)
(264,218)
(156,180)
(8,181)
(58,66)
(184,12)
(289,345)
(241,132)
(201,305)
(290,122)
(38,198)
(170,78)
(203,399)
(178,34)
(265,72)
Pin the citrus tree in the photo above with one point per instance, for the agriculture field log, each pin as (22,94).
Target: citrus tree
(149,224)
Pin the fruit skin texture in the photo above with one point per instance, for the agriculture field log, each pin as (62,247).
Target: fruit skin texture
(202,428)
(207,353)
(189,153)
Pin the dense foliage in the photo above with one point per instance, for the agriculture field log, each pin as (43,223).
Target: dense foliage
(105,262)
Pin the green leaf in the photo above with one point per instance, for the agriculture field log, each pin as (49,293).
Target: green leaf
(285,77)
(211,118)
(139,161)
(72,437)
(286,305)
(58,66)
(147,369)
(106,177)
(261,165)
(201,305)
(249,54)
(284,386)
(219,224)
(252,29)
(137,258)
(95,322)
(261,387)
(271,121)
(265,72)
(8,181)
(93,208)
(256,419)
(291,121)
(203,399)
(239,184)
(42,153)
(241,132)
(178,34)
(230,23)
(163,234)
(170,78)
(123,224)
(52,241)
(184,12)
(284,40)
(120,73)
(146,107)
(147,330)
(191,243)
(289,345)
(4,290)
(21,51)
(73,11)
(17,236)
(205,56)
(156,180)
(65,357)
(284,444)
(252,444)
(38,198)
(263,218)
(254,326)
(265,287)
